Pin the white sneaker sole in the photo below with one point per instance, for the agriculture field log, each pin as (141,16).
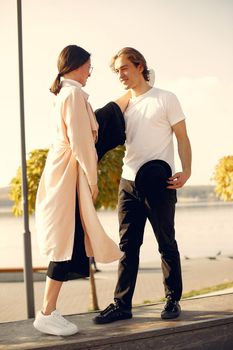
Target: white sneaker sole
(45,330)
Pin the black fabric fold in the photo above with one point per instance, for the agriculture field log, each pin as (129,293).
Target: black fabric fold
(111,128)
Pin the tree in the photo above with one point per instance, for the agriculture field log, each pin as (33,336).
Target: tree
(109,172)
(223,176)
(35,166)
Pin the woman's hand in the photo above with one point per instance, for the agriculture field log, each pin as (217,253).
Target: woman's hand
(94,192)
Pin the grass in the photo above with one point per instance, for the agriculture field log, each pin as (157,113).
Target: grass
(194,293)
(207,290)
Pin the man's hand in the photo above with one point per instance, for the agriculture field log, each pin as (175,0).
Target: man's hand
(178,180)
(94,192)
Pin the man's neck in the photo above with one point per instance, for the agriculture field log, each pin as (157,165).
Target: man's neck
(140,89)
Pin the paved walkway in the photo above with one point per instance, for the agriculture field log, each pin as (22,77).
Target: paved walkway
(205,323)
(75,295)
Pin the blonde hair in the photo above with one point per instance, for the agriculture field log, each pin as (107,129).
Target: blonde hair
(135,57)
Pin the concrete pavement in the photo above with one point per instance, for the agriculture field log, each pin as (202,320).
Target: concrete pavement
(205,323)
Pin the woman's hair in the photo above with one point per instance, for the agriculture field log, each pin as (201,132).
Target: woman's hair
(133,56)
(71,58)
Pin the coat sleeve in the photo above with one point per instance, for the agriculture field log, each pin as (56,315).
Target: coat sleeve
(80,135)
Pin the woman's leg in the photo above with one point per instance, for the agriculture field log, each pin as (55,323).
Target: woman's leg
(49,320)
(52,290)
(59,271)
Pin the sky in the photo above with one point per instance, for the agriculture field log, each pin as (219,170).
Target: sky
(188,43)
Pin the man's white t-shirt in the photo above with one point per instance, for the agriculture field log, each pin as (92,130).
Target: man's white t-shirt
(149,119)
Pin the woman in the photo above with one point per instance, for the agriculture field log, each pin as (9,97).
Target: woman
(67,224)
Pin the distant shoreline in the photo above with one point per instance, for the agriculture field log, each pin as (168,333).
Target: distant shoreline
(188,197)
(7,211)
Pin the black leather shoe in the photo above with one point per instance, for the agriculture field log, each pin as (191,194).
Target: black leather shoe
(171,310)
(112,313)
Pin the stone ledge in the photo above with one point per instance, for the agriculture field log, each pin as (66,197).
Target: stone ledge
(205,324)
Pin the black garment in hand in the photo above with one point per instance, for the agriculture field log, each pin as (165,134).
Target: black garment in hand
(111,131)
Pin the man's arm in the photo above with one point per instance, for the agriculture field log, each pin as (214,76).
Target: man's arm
(184,149)
(123,101)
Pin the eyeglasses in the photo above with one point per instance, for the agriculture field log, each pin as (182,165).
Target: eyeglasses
(90,70)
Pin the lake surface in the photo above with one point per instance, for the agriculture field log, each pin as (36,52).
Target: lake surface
(201,231)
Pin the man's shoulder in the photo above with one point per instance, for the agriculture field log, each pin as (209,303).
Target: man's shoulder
(161,92)
(165,97)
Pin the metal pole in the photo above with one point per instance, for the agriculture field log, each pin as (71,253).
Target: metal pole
(94,297)
(28,272)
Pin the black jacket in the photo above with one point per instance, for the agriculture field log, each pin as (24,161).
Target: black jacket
(111,128)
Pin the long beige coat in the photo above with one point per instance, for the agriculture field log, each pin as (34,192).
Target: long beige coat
(71,166)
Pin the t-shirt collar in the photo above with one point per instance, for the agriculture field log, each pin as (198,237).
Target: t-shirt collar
(139,97)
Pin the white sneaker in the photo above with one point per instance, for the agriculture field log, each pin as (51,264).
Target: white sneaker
(54,324)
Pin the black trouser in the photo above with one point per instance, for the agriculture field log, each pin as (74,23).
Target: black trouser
(133,210)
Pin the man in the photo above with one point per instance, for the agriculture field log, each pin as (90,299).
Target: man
(151,118)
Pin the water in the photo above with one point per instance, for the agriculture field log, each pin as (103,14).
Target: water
(201,231)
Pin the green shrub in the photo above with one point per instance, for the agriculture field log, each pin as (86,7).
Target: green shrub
(109,172)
